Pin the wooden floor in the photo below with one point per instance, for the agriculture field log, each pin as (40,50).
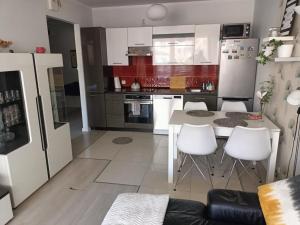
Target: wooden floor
(84,190)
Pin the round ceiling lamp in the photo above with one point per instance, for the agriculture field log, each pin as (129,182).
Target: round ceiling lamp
(157,12)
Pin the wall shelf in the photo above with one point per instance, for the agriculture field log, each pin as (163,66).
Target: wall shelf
(283,38)
(288,59)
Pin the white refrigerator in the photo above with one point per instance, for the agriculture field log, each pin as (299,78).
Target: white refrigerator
(35,140)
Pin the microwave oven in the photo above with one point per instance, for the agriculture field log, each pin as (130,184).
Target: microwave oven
(236,31)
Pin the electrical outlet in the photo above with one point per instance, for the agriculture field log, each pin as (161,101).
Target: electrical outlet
(123,82)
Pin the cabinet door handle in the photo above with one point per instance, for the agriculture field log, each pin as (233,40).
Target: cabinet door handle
(172,43)
(139,44)
(199,98)
(206,62)
(117,63)
(167,97)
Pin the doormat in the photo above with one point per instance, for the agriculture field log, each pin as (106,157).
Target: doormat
(122,140)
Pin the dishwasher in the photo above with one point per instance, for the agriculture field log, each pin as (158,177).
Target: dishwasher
(163,107)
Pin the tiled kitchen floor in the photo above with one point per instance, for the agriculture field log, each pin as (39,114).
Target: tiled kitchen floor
(83,191)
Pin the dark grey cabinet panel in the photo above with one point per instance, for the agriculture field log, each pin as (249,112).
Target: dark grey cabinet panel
(211,101)
(96,109)
(115,121)
(114,110)
(93,40)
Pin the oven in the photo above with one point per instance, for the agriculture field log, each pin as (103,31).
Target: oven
(138,111)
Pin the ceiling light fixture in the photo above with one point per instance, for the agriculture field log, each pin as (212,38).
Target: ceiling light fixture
(157,12)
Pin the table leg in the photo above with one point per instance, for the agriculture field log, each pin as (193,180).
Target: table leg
(272,159)
(171,155)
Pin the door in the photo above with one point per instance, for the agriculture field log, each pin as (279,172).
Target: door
(207,38)
(116,39)
(22,160)
(238,68)
(139,36)
(57,130)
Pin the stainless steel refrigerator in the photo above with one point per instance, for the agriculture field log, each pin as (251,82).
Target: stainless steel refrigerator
(237,71)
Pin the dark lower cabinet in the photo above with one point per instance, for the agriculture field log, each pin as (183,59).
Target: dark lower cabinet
(114,110)
(210,100)
(96,110)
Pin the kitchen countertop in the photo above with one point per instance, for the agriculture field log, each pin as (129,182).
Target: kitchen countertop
(162,91)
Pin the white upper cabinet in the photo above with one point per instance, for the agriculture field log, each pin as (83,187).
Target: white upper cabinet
(207,42)
(173,51)
(182,29)
(139,36)
(116,39)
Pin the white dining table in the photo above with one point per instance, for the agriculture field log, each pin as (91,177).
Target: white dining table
(180,117)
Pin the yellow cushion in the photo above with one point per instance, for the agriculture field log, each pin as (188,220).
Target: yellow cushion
(280,202)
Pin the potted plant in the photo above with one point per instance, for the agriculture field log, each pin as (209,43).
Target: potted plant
(264,94)
(285,50)
(268,51)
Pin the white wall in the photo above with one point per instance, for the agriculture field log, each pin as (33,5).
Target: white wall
(200,12)
(24,21)
(268,13)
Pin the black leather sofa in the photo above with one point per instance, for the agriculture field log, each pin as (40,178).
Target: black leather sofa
(224,207)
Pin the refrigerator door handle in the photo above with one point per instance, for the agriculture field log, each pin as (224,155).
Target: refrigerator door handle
(41,122)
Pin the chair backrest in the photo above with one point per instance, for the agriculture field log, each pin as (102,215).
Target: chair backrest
(195,106)
(197,140)
(249,143)
(230,106)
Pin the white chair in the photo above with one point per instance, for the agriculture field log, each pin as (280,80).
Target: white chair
(249,144)
(195,106)
(192,106)
(196,140)
(233,106)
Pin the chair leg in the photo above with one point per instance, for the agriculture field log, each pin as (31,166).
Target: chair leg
(223,155)
(231,172)
(200,171)
(184,175)
(182,162)
(210,167)
(245,169)
(210,173)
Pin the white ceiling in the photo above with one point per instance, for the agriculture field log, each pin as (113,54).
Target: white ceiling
(101,3)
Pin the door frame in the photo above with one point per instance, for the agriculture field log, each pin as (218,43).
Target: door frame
(80,72)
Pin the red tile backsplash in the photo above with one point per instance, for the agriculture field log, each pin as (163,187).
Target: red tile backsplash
(141,69)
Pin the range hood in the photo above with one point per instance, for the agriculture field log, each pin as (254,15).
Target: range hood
(139,51)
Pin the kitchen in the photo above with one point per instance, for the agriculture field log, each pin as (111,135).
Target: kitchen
(156,70)
(141,70)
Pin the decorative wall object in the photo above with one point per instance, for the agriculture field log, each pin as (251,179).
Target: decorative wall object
(288,17)
(54,5)
(4,44)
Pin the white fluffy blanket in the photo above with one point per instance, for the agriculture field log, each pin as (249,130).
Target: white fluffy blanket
(137,209)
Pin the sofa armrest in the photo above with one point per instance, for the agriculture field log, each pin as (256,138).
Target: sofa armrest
(234,207)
